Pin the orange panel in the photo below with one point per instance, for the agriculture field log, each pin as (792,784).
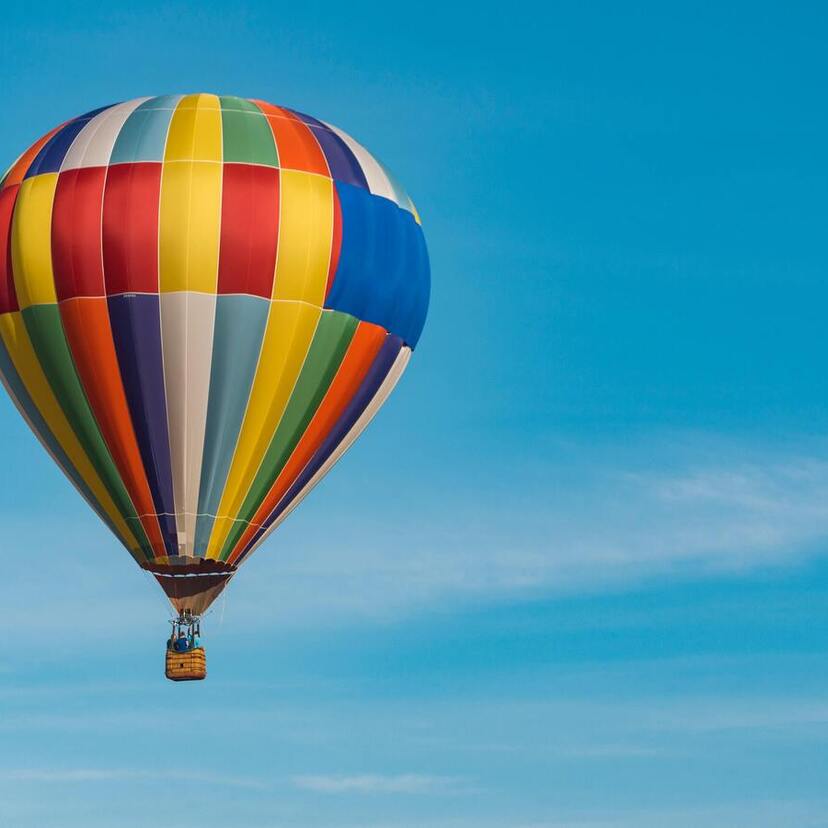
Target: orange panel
(86,323)
(297,147)
(365,345)
(23,163)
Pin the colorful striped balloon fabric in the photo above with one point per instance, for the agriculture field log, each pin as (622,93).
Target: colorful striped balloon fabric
(203,302)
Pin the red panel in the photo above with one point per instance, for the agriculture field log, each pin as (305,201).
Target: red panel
(86,323)
(365,345)
(249,229)
(76,233)
(130,228)
(336,246)
(8,295)
(298,148)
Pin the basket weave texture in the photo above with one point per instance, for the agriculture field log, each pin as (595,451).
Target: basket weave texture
(189,666)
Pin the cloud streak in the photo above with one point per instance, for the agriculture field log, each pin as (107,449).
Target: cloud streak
(569,518)
(594,518)
(69,776)
(408,783)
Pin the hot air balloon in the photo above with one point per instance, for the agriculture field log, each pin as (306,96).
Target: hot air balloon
(204,300)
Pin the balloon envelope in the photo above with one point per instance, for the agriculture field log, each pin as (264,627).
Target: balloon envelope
(203,302)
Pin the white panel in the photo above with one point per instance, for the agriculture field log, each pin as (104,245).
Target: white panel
(402,196)
(382,394)
(93,145)
(187,340)
(378,182)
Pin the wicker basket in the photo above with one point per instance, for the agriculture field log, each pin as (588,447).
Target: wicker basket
(189,666)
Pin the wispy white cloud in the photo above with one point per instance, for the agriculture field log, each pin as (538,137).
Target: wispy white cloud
(80,775)
(609,752)
(588,518)
(92,775)
(407,783)
(571,517)
(756,812)
(731,714)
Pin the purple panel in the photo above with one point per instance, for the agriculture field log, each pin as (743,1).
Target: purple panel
(378,371)
(136,331)
(342,162)
(53,152)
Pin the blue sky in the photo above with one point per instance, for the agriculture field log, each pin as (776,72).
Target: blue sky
(574,575)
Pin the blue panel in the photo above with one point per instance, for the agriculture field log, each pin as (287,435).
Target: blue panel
(162,102)
(135,319)
(237,340)
(52,153)
(383,273)
(341,161)
(144,134)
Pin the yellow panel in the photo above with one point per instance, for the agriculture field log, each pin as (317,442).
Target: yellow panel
(32,241)
(195,130)
(290,329)
(305,237)
(190,226)
(24,359)
(201,100)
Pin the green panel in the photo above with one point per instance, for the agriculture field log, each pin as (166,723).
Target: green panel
(248,138)
(45,329)
(230,103)
(237,342)
(330,342)
(17,391)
